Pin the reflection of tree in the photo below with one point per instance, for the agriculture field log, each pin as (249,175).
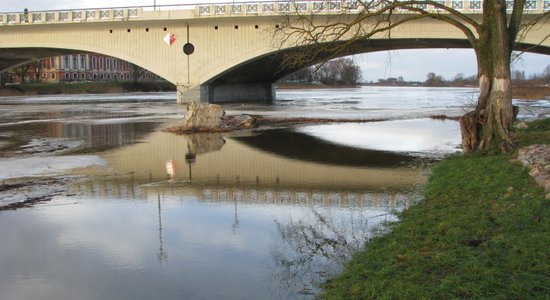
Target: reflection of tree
(315,249)
(235,224)
(161,255)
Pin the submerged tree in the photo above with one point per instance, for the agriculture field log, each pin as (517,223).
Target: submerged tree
(493,36)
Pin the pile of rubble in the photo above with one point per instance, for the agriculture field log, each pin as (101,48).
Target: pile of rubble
(205,117)
(537,159)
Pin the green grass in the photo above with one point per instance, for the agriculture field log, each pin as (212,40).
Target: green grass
(482,231)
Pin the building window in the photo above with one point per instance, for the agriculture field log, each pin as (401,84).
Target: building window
(75,62)
(94,63)
(67,76)
(95,76)
(101,63)
(83,61)
(83,76)
(65,62)
(107,64)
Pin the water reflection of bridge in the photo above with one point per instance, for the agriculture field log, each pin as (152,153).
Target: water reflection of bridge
(129,188)
(230,162)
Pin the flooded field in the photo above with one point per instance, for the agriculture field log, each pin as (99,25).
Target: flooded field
(125,210)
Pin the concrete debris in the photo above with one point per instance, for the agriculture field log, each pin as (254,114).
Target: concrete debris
(537,159)
(203,115)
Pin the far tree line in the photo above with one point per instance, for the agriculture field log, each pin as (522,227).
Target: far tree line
(344,71)
(340,71)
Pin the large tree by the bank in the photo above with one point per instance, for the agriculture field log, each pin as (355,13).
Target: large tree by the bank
(493,38)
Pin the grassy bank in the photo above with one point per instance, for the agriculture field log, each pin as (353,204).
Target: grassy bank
(84,88)
(482,231)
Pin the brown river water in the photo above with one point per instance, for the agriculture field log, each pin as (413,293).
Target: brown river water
(124,210)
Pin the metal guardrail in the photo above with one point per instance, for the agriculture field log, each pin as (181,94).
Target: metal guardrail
(233,9)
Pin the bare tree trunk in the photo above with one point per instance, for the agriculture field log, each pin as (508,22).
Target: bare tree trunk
(488,127)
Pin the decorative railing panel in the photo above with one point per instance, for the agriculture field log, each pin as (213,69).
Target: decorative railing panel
(77,15)
(318,6)
(284,7)
(268,8)
(118,13)
(104,14)
(50,17)
(37,17)
(90,15)
(204,10)
(12,18)
(252,8)
(335,6)
(301,7)
(133,13)
(220,9)
(475,5)
(458,5)
(64,16)
(236,9)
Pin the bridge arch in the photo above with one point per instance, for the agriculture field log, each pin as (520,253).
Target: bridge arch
(261,71)
(12,57)
(230,40)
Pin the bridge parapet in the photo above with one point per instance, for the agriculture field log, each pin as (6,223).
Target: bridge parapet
(342,6)
(71,16)
(234,9)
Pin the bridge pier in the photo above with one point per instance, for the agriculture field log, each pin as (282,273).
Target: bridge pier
(228,92)
(186,93)
(261,92)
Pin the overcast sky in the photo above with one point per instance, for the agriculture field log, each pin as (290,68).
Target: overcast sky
(411,64)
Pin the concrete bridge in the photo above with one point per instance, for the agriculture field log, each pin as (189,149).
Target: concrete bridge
(222,52)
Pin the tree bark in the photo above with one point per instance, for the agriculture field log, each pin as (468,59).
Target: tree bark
(488,127)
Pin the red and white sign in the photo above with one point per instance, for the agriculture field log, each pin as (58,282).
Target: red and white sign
(171,168)
(169,38)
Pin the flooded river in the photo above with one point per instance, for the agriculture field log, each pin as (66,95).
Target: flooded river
(133,212)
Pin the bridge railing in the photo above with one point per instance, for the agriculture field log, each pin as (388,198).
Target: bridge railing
(341,6)
(254,8)
(70,16)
